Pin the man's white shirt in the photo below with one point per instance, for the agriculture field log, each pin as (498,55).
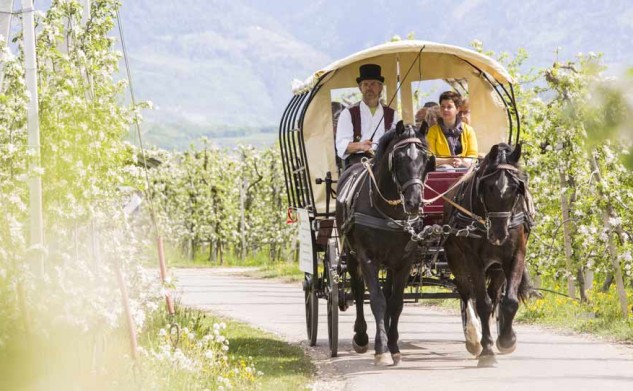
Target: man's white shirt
(368,123)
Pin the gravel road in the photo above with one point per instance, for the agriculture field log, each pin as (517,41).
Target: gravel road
(431,341)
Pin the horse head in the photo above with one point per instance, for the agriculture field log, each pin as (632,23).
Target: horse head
(499,186)
(403,154)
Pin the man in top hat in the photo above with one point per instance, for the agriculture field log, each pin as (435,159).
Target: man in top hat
(357,124)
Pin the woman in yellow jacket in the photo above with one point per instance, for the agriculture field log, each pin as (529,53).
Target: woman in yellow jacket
(452,141)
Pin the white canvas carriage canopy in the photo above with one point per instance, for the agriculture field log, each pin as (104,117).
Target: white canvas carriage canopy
(428,61)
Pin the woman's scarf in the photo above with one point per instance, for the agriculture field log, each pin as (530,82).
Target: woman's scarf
(453,136)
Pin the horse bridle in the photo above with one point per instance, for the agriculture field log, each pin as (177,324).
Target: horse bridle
(402,144)
(513,171)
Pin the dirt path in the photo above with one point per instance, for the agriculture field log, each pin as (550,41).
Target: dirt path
(433,352)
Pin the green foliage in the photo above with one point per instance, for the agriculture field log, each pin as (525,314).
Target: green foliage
(569,113)
(592,178)
(64,326)
(223,203)
(557,106)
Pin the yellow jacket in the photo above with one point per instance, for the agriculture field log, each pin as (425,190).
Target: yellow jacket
(439,144)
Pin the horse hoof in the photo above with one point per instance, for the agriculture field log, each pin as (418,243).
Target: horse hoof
(487,362)
(472,331)
(383,360)
(396,358)
(505,350)
(474,348)
(358,348)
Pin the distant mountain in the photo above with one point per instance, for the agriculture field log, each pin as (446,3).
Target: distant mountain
(207,65)
(222,68)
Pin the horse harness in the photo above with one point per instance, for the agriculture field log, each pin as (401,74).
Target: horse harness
(386,222)
(470,225)
(462,222)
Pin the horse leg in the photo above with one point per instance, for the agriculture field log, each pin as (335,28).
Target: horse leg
(472,328)
(387,289)
(470,322)
(484,310)
(497,278)
(395,302)
(378,306)
(506,340)
(360,341)
(496,282)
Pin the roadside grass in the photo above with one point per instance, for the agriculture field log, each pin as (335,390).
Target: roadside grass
(175,258)
(255,360)
(262,267)
(285,271)
(284,366)
(601,315)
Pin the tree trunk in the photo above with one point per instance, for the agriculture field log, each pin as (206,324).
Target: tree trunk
(571,288)
(192,249)
(619,281)
(212,251)
(581,285)
(589,277)
(242,222)
(609,213)
(295,251)
(607,282)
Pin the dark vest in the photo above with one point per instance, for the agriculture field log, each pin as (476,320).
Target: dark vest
(355,113)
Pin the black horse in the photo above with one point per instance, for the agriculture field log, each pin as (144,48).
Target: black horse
(487,255)
(373,209)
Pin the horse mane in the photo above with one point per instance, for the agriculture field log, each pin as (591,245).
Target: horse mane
(499,156)
(400,132)
(384,143)
(494,158)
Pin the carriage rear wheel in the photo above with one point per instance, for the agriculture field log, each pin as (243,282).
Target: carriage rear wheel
(332,286)
(312,308)
(332,320)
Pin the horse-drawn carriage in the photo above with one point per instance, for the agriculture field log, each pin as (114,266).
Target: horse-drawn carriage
(312,173)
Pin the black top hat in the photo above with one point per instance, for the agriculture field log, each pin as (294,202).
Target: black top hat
(370,72)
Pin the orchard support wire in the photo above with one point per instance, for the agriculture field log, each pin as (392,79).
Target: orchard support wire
(159,239)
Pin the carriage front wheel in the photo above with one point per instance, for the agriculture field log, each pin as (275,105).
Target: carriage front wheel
(312,307)
(332,290)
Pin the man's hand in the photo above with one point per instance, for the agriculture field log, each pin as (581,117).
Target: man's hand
(365,146)
(360,146)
